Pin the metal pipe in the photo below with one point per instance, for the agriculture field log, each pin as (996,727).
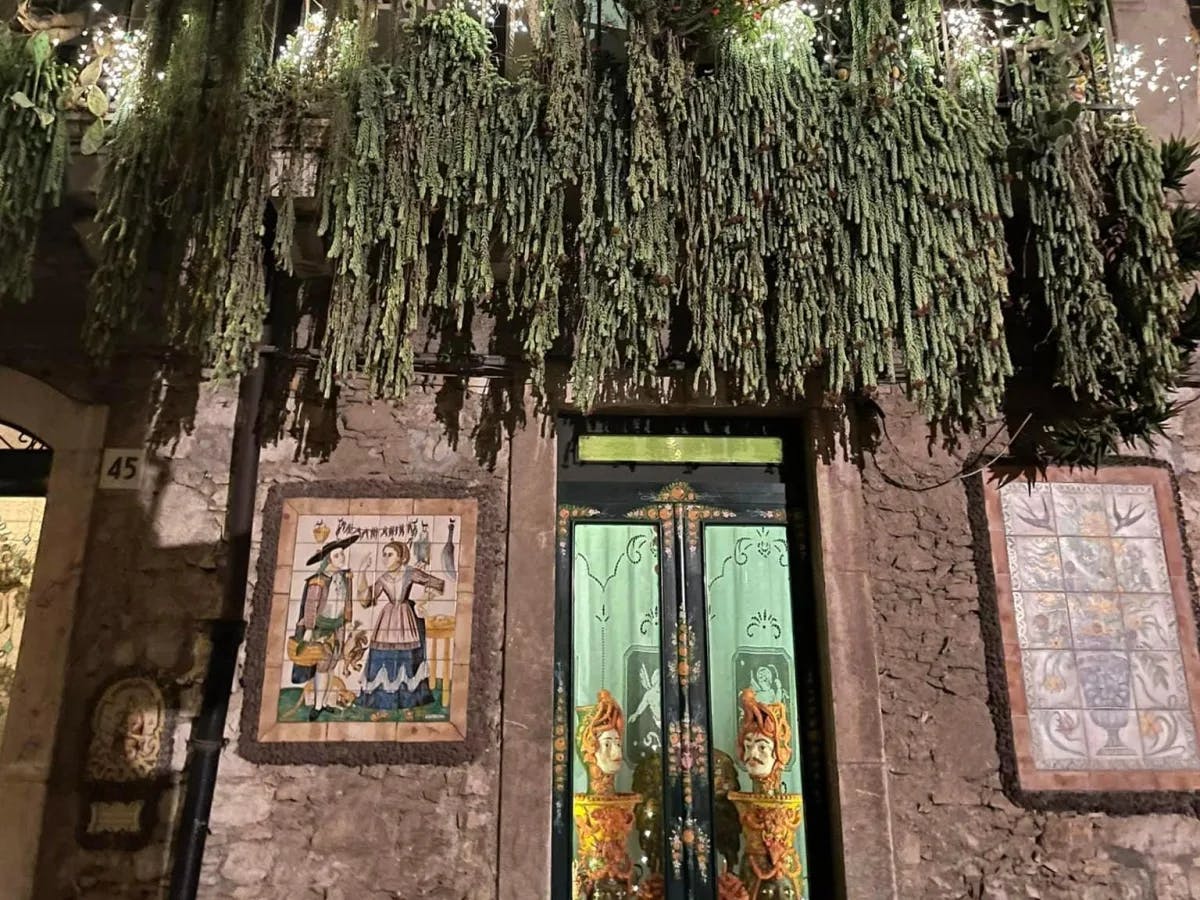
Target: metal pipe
(208,728)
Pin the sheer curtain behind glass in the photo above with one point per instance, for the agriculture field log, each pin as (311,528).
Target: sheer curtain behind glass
(616,649)
(747,582)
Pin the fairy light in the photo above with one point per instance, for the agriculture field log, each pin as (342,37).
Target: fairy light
(301,52)
(1130,76)
(488,12)
(972,40)
(122,52)
(302,45)
(796,32)
(970,34)
(788,30)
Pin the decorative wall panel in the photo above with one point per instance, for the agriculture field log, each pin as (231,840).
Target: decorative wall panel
(1098,630)
(368,623)
(20,528)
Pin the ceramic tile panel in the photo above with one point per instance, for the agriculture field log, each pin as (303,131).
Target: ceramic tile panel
(1043,620)
(1098,629)
(369,628)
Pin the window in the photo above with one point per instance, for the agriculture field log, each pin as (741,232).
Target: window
(685,737)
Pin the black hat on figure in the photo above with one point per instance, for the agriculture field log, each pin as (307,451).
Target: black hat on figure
(329,548)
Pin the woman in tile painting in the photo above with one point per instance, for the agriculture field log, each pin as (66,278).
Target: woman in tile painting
(397,675)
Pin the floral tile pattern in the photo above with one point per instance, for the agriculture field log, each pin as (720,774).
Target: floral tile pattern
(1037,563)
(1104,677)
(1043,621)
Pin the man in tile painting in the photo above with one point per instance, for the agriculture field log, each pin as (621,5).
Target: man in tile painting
(325,611)
(397,674)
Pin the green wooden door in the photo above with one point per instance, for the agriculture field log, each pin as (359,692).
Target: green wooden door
(682,721)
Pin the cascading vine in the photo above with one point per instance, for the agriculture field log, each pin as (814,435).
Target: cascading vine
(791,216)
(33,151)
(188,183)
(1106,273)
(1141,268)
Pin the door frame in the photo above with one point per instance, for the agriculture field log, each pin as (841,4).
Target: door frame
(726,485)
(857,767)
(74,432)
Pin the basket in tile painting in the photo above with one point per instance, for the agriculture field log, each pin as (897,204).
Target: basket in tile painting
(306,653)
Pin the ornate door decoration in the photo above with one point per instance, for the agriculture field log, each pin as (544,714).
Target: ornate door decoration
(677,777)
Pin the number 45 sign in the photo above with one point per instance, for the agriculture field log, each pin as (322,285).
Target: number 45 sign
(121,469)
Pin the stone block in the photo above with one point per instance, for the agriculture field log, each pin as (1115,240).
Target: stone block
(866,831)
(240,803)
(248,863)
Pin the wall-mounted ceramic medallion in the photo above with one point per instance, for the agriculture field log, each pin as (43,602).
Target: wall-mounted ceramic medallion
(126,770)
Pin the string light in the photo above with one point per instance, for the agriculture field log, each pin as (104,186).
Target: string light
(787,31)
(122,52)
(301,52)
(792,29)
(488,12)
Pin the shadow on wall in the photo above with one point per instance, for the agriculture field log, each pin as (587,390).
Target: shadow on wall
(137,660)
(152,585)
(297,411)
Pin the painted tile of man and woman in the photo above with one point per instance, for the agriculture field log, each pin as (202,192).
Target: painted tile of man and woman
(371,619)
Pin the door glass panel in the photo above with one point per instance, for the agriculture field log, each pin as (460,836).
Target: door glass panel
(20,526)
(753,722)
(680,449)
(616,773)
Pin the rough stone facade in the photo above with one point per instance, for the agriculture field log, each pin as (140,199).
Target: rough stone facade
(956,833)
(154,575)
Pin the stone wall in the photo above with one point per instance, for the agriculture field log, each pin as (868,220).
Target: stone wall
(153,575)
(956,834)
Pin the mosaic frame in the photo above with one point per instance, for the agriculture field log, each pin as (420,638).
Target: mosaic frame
(1111,789)
(458,736)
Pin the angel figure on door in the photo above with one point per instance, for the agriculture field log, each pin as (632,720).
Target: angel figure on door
(397,675)
(650,703)
(767,685)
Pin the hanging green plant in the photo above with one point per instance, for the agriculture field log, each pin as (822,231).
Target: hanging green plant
(33,151)
(811,200)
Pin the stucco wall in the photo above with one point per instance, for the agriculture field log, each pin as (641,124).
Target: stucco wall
(1161,28)
(154,572)
(956,834)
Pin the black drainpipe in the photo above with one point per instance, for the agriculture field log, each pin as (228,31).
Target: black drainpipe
(229,628)
(208,728)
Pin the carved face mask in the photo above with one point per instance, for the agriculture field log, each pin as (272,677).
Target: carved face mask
(758,750)
(608,754)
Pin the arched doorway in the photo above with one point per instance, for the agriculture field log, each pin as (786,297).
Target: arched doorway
(72,433)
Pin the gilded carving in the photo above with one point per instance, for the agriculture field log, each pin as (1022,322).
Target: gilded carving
(603,817)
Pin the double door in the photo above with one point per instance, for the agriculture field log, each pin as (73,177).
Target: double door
(675,606)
